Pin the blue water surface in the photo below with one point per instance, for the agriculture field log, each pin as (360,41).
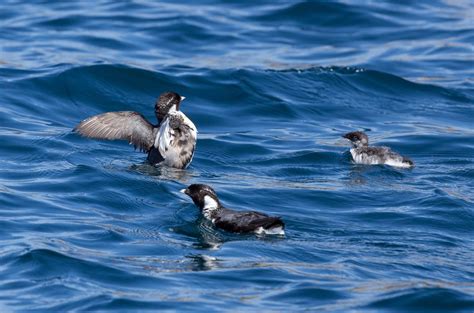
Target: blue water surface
(271,85)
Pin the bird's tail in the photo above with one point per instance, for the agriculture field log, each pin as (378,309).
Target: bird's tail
(273,223)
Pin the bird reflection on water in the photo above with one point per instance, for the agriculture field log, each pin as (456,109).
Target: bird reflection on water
(165,172)
(202,262)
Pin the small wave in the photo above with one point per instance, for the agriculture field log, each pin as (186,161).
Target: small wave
(427,299)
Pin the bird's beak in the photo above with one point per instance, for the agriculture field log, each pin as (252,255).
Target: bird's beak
(182,98)
(184,191)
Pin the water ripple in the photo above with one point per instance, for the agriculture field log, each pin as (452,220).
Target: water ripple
(86,225)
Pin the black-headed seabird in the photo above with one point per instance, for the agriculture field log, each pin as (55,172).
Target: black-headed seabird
(363,154)
(206,199)
(171,142)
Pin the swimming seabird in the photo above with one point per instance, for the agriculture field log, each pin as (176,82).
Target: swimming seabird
(171,142)
(205,198)
(363,154)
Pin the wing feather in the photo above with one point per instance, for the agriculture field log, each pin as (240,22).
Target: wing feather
(248,221)
(123,125)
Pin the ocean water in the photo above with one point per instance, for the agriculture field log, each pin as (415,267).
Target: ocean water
(86,225)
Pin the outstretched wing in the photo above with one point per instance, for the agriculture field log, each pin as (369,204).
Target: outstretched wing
(124,125)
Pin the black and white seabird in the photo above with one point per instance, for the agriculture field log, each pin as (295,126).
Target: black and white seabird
(206,199)
(363,154)
(171,142)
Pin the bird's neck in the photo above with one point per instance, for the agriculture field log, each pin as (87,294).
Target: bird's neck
(359,144)
(211,206)
(159,119)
